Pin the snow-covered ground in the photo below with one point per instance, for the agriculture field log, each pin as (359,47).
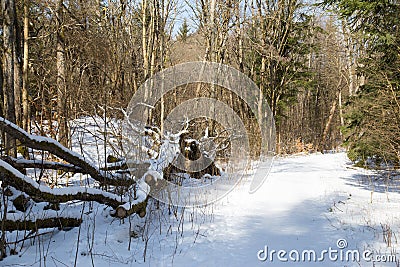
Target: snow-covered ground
(308,204)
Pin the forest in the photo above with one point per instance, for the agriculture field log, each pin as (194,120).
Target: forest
(326,72)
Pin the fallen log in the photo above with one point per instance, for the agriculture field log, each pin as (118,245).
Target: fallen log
(41,193)
(54,147)
(59,222)
(42,164)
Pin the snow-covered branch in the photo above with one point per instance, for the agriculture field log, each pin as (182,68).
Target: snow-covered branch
(59,222)
(42,164)
(41,193)
(54,147)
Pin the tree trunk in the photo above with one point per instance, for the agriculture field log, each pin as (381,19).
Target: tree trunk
(341,112)
(1,95)
(8,71)
(17,67)
(62,97)
(239,33)
(144,40)
(261,91)
(350,60)
(328,123)
(25,85)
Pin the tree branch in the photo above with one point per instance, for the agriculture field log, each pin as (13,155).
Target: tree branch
(54,147)
(41,193)
(41,164)
(60,222)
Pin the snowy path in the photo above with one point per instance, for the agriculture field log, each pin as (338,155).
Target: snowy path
(291,211)
(307,203)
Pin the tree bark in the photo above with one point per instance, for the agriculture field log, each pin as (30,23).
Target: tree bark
(62,97)
(341,111)
(17,67)
(1,95)
(8,71)
(329,122)
(350,60)
(25,85)
(144,40)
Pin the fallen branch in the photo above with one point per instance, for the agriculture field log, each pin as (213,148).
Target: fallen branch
(54,147)
(40,193)
(41,164)
(59,222)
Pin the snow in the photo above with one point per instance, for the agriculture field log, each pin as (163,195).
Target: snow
(309,202)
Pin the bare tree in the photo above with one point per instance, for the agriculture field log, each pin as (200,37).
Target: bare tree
(8,7)
(25,70)
(62,94)
(17,54)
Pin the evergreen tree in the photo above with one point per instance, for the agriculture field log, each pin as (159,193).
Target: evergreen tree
(184,31)
(373,125)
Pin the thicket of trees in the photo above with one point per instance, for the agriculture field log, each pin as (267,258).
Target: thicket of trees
(373,110)
(62,60)
(318,73)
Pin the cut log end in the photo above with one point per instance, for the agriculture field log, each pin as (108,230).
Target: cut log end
(140,209)
(150,180)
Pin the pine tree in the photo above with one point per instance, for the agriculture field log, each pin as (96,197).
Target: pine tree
(373,117)
(184,31)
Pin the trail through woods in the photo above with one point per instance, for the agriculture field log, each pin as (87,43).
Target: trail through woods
(307,203)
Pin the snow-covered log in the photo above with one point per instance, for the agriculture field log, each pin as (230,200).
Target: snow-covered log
(41,193)
(42,164)
(59,222)
(54,147)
